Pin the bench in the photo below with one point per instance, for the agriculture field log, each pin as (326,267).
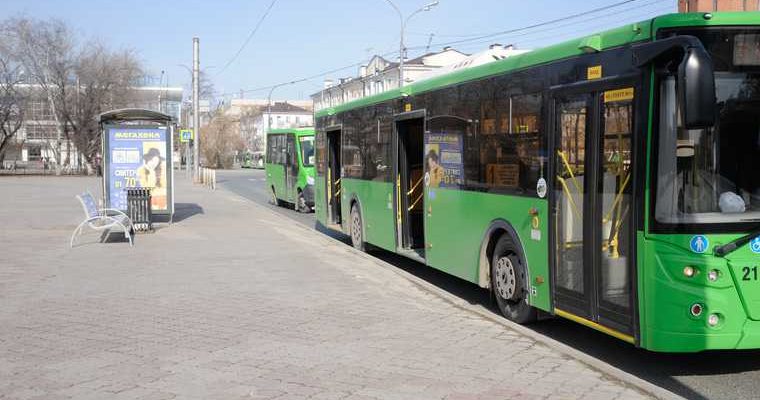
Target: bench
(102,220)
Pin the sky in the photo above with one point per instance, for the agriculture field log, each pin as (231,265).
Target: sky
(305,38)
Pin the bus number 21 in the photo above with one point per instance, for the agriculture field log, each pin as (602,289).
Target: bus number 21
(749,273)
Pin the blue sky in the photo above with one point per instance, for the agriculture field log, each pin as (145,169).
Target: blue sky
(306,37)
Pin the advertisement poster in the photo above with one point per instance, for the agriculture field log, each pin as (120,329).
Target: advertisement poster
(137,158)
(444,159)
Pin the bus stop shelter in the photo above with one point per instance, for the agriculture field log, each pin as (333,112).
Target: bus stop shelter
(137,153)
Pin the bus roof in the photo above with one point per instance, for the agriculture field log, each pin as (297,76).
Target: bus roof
(297,131)
(620,36)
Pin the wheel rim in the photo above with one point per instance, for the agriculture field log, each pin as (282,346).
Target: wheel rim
(356,228)
(506,279)
(301,202)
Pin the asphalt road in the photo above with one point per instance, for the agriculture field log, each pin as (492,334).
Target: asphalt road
(708,375)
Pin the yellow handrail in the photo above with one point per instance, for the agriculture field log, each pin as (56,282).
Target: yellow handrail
(618,198)
(398,199)
(415,203)
(329,187)
(569,169)
(414,187)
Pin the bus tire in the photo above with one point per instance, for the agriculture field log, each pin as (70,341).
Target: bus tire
(301,203)
(509,282)
(357,228)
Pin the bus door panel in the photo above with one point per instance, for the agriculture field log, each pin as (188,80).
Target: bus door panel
(409,176)
(572,275)
(614,191)
(291,168)
(333,177)
(592,206)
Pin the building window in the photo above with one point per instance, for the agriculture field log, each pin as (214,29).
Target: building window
(36,131)
(34,153)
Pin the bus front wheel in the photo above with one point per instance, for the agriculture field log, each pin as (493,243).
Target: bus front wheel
(509,282)
(357,228)
(301,205)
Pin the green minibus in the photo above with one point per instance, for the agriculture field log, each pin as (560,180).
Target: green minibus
(290,167)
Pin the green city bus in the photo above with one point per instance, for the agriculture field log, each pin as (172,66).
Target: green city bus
(613,180)
(290,167)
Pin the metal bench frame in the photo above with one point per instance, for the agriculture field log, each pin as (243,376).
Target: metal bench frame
(102,219)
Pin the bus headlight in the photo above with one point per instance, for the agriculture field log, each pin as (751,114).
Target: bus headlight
(713,319)
(309,180)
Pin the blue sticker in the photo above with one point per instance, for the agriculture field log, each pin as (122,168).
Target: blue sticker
(431,195)
(699,244)
(754,245)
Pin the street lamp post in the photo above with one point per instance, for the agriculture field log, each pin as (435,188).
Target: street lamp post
(404,21)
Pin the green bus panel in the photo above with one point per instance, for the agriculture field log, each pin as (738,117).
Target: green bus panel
(320,209)
(458,231)
(667,295)
(377,210)
(276,178)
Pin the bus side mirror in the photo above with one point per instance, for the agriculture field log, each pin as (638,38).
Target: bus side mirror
(696,89)
(696,81)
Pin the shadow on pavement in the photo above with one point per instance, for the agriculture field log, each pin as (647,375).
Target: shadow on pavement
(183,211)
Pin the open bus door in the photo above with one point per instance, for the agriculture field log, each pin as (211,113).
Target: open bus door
(334,169)
(408,139)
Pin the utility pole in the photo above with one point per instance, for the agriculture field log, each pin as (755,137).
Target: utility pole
(196,108)
(402,48)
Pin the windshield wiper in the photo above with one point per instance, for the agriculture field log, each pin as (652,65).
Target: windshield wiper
(721,251)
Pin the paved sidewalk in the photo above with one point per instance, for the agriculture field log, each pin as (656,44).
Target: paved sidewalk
(235,302)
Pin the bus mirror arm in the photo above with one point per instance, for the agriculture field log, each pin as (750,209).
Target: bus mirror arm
(696,79)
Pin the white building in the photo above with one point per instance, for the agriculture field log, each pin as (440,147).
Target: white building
(36,140)
(380,75)
(285,114)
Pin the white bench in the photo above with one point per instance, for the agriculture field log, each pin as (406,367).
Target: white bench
(102,219)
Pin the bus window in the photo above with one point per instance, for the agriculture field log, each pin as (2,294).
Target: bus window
(307,150)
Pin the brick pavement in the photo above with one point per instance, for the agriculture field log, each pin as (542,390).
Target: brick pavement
(235,302)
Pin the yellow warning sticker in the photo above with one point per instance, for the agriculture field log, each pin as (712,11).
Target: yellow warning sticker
(594,72)
(618,95)
(407,107)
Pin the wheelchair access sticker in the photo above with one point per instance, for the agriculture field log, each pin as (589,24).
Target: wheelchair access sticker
(754,245)
(699,244)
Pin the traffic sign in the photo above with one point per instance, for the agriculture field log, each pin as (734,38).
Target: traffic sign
(185,135)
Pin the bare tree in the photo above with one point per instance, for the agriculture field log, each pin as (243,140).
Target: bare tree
(104,80)
(12,104)
(46,49)
(77,82)
(220,140)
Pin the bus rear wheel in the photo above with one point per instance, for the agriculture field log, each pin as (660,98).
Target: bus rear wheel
(357,228)
(509,282)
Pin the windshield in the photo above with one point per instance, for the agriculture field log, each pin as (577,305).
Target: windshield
(710,176)
(307,150)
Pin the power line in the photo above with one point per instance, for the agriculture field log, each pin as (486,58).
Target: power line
(537,25)
(474,39)
(248,39)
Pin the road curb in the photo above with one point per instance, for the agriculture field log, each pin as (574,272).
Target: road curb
(593,363)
